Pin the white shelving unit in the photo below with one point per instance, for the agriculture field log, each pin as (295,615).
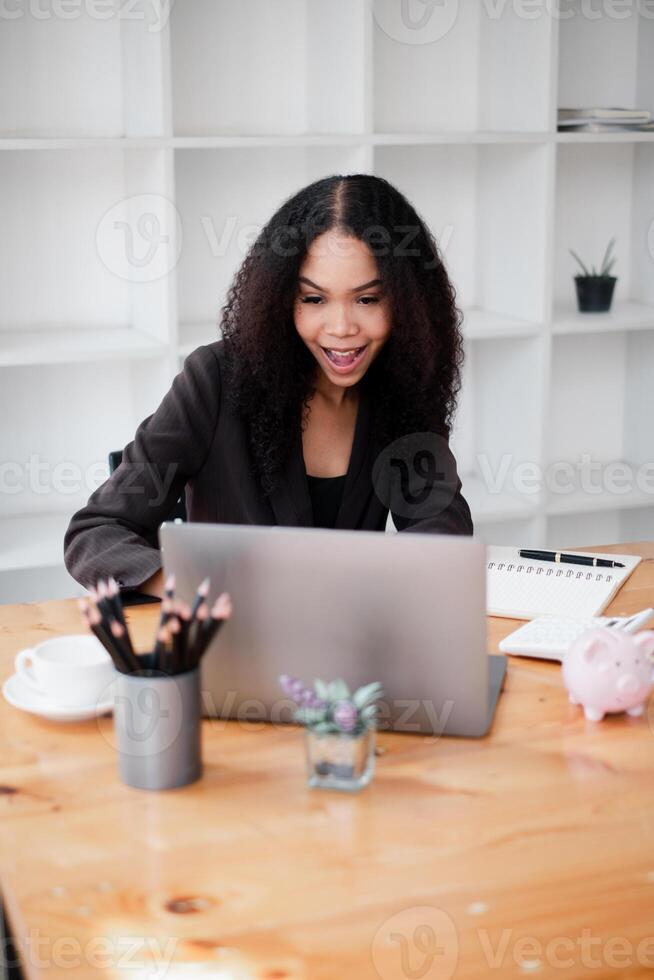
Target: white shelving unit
(138,159)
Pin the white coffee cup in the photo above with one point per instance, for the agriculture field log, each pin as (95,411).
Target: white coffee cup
(69,670)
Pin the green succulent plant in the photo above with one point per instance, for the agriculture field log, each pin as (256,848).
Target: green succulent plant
(331,708)
(606,266)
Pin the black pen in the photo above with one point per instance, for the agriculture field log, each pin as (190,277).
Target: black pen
(560,556)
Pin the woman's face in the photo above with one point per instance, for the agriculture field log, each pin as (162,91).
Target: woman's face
(341,312)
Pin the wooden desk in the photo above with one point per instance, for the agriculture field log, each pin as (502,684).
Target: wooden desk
(532,845)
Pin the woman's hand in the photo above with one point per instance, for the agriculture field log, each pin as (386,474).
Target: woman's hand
(154,585)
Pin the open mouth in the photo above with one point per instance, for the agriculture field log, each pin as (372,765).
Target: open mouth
(344,359)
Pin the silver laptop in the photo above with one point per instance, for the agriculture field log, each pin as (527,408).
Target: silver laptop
(407,610)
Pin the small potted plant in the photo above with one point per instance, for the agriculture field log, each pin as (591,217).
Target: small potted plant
(339,730)
(595,289)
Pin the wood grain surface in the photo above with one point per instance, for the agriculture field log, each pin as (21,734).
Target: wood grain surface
(526,852)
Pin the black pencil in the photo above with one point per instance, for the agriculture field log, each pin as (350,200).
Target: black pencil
(118,631)
(196,640)
(166,610)
(183,634)
(93,621)
(220,611)
(200,596)
(159,652)
(113,594)
(174,627)
(108,613)
(162,640)
(102,603)
(184,616)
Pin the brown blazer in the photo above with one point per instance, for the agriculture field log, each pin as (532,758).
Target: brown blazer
(193,442)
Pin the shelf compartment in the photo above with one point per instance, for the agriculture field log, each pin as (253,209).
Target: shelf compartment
(486,207)
(458,67)
(496,436)
(75,216)
(83,73)
(580,421)
(479,324)
(605,59)
(605,192)
(601,417)
(225,198)
(252,67)
(66,421)
(53,202)
(57,344)
(624,315)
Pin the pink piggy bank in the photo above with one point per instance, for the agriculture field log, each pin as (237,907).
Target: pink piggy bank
(607,670)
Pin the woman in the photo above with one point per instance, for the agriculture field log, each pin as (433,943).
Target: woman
(327,402)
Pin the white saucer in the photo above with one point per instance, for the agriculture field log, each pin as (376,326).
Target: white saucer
(20,695)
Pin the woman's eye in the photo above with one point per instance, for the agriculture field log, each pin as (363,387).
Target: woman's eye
(365,300)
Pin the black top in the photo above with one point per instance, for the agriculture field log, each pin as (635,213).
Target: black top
(326,493)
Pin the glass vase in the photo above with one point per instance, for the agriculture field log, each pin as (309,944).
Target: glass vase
(340,760)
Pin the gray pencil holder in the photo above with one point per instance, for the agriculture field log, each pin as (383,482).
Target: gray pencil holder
(157,725)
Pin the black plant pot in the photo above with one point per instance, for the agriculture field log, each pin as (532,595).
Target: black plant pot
(594,293)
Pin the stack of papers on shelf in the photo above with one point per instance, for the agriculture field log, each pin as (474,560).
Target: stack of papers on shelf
(604,120)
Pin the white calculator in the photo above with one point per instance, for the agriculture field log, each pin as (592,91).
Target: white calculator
(549,637)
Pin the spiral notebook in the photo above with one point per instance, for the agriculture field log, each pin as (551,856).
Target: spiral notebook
(521,588)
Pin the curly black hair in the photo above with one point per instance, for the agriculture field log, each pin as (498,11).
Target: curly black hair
(416,376)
